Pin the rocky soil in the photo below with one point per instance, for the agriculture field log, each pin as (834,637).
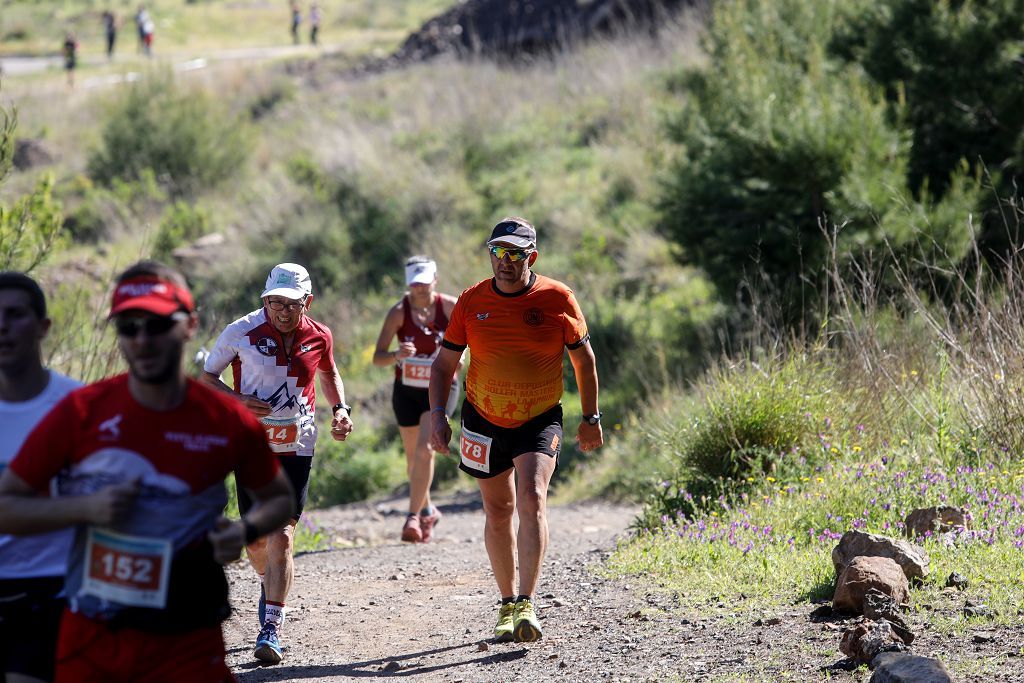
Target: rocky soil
(378,609)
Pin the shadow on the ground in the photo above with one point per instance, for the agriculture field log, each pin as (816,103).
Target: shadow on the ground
(388,667)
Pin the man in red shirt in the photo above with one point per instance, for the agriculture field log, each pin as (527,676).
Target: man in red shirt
(140,461)
(517,326)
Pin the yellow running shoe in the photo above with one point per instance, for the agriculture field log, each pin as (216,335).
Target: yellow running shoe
(525,627)
(503,631)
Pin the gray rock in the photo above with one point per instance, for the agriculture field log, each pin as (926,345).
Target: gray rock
(910,557)
(865,573)
(891,667)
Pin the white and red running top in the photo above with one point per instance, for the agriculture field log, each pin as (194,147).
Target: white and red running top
(261,368)
(100,435)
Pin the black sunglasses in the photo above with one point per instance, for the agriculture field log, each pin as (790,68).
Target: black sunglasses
(153,325)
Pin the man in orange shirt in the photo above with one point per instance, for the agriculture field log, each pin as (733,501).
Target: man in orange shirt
(516,326)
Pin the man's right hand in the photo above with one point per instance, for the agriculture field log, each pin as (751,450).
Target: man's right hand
(112,503)
(256,406)
(440,432)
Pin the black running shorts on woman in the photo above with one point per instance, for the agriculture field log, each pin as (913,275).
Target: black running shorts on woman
(486,450)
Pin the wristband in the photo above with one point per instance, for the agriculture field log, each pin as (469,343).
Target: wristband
(439,409)
(342,406)
(251,532)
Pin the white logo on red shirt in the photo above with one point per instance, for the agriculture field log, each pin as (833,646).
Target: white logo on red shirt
(196,442)
(110,429)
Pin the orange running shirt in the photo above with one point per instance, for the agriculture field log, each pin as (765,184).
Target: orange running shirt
(516,343)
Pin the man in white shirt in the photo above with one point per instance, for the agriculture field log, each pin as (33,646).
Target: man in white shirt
(32,568)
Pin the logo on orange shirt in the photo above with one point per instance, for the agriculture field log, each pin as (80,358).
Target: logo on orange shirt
(534,317)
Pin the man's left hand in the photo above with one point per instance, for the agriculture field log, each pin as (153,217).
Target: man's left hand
(589,436)
(341,425)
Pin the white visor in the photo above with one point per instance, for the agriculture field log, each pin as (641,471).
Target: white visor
(422,273)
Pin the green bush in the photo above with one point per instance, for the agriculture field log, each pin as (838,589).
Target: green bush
(951,63)
(778,143)
(186,138)
(181,223)
(31,229)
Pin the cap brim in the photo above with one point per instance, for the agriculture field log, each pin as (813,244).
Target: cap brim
(512,240)
(149,304)
(420,280)
(287,292)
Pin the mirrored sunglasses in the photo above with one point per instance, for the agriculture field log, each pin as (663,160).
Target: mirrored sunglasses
(513,254)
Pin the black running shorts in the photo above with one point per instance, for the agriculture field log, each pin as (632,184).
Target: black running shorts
(409,404)
(296,468)
(30,613)
(486,450)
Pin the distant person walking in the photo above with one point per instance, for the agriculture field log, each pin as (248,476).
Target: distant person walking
(110,30)
(141,17)
(296,21)
(314,23)
(70,57)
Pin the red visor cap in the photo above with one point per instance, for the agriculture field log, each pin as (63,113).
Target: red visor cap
(152,295)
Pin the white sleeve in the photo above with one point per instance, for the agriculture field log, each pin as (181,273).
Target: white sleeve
(224,351)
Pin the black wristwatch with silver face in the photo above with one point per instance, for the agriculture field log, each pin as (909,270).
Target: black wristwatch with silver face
(593,419)
(342,406)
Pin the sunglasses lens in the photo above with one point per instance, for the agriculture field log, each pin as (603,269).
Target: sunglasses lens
(513,254)
(130,327)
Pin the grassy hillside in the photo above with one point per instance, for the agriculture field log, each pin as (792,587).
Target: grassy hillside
(352,175)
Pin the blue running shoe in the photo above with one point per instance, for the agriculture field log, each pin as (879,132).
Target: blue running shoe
(262,609)
(268,645)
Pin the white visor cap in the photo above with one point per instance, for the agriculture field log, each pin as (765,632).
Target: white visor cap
(422,273)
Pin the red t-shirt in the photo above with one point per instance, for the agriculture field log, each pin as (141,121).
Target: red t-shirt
(100,435)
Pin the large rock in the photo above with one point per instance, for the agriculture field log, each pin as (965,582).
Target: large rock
(898,667)
(936,520)
(868,639)
(30,153)
(912,558)
(865,573)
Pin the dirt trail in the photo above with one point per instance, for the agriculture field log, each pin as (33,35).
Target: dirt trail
(384,609)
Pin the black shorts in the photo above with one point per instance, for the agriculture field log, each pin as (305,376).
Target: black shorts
(409,403)
(296,468)
(542,434)
(30,613)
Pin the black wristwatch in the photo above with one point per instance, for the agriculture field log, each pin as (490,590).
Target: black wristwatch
(344,406)
(593,419)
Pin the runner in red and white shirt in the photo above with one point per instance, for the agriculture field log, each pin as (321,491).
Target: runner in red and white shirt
(275,353)
(140,461)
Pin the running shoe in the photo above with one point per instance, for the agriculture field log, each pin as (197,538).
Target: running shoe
(411,532)
(261,609)
(428,522)
(525,627)
(503,631)
(268,645)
